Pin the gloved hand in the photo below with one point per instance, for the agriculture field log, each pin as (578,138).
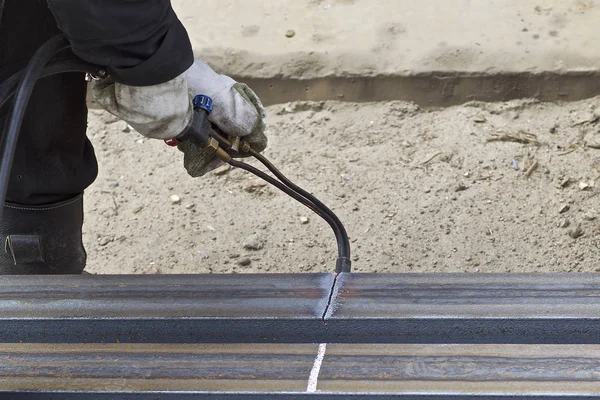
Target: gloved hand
(160,111)
(237,112)
(163,111)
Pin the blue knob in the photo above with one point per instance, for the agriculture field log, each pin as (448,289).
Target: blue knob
(203,102)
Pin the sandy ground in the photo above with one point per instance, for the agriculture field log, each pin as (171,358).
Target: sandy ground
(361,38)
(434,52)
(419,190)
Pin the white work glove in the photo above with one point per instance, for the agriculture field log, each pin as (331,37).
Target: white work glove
(163,111)
(160,111)
(237,111)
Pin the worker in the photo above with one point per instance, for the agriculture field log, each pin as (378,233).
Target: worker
(147,52)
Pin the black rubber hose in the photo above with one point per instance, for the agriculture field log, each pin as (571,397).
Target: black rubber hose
(8,87)
(276,183)
(344,263)
(54,67)
(27,81)
(345,241)
(306,202)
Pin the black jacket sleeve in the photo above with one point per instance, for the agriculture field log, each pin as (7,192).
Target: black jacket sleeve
(141,42)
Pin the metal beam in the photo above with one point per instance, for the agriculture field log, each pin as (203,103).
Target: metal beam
(465,308)
(361,308)
(462,370)
(287,371)
(123,368)
(163,308)
(149,337)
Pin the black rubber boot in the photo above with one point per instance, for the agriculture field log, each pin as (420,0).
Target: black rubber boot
(42,239)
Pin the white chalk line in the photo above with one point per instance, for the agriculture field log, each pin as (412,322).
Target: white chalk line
(313,379)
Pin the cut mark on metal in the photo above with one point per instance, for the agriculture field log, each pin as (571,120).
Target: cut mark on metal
(313,378)
(330,308)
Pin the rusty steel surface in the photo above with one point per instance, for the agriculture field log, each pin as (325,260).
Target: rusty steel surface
(465,308)
(163,309)
(253,371)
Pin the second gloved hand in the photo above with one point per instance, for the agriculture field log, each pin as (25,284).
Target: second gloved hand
(160,111)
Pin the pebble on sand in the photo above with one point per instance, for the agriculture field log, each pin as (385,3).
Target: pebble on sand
(254,242)
(244,262)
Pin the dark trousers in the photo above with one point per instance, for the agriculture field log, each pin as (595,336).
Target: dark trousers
(54,160)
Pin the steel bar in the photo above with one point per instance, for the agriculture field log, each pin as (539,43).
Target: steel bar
(253,371)
(149,337)
(163,308)
(361,308)
(156,367)
(465,308)
(532,370)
